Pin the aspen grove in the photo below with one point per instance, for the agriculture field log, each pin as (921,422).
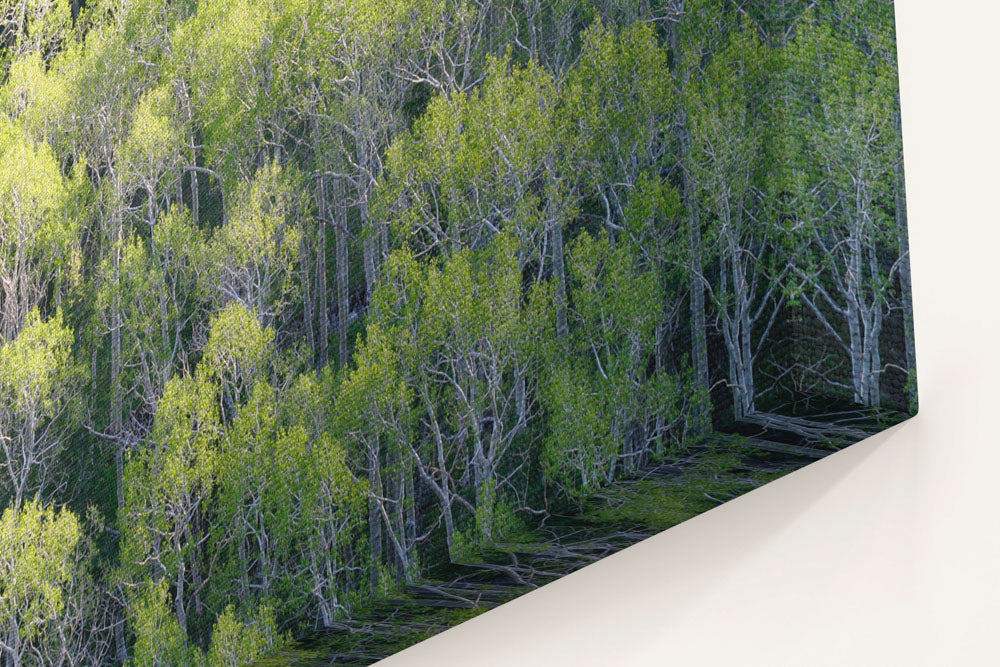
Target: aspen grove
(300,297)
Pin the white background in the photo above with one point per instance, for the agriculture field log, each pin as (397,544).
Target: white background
(887,553)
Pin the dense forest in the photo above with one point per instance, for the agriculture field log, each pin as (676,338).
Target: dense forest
(300,297)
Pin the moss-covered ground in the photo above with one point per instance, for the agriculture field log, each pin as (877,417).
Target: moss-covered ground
(650,500)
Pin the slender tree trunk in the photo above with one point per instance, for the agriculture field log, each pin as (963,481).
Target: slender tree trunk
(446,500)
(121,649)
(388,490)
(483,478)
(14,644)
(558,256)
(244,560)
(872,335)
(374,513)
(179,598)
(740,373)
(179,190)
(855,327)
(740,284)
(116,369)
(702,416)
(368,248)
(370,237)
(875,374)
(696,286)
(746,358)
(195,200)
(699,326)
(906,286)
(323,569)
(325,611)
(307,297)
(443,489)
(864,317)
(398,523)
(321,295)
(411,510)
(195,197)
(384,236)
(737,326)
(343,295)
(559,270)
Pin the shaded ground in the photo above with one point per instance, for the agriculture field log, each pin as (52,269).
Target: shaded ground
(653,499)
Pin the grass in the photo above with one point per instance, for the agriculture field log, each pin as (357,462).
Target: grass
(704,478)
(714,478)
(647,504)
(322,651)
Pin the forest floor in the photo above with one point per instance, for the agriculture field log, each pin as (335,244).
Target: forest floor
(650,500)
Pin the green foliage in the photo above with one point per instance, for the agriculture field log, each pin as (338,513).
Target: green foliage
(159,638)
(580,452)
(38,234)
(38,379)
(605,408)
(159,297)
(36,27)
(505,210)
(473,164)
(154,142)
(725,127)
(37,550)
(238,349)
(286,509)
(615,105)
(254,254)
(236,643)
(35,367)
(289,511)
(168,488)
(34,98)
(224,46)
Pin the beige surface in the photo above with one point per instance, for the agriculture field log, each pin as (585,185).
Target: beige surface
(885,554)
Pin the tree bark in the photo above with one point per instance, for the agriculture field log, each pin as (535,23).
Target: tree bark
(343,294)
(374,514)
(179,609)
(558,258)
(195,197)
(321,294)
(121,649)
(368,248)
(307,297)
(699,326)
(559,270)
(14,645)
(906,286)
(116,370)
(702,414)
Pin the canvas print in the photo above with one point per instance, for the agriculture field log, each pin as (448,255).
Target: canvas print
(326,325)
